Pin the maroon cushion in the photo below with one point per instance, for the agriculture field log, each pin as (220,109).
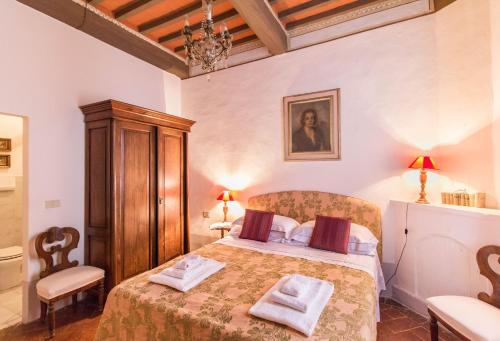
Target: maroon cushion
(331,233)
(257,225)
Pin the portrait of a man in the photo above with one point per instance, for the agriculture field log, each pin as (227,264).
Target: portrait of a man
(312,126)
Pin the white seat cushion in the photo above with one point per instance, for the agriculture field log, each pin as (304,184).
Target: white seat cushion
(67,280)
(473,318)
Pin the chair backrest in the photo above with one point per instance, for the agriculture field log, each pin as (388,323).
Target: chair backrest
(52,235)
(486,270)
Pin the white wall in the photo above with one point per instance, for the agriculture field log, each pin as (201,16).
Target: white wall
(420,86)
(47,70)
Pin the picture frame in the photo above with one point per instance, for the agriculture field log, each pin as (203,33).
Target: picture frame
(5,145)
(4,161)
(312,126)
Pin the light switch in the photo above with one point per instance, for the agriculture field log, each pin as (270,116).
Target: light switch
(206,215)
(52,203)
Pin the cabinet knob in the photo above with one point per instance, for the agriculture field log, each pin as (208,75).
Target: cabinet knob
(161,201)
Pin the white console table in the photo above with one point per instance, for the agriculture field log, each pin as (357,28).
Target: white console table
(440,256)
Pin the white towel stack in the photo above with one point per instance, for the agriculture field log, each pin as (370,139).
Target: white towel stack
(187,273)
(301,308)
(295,293)
(184,267)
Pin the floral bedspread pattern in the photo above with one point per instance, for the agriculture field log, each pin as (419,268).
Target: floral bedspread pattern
(217,309)
(306,205)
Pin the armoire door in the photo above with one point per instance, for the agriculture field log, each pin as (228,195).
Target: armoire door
(135,195)
(171,187)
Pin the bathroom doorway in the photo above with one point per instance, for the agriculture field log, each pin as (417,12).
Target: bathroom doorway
(12,213)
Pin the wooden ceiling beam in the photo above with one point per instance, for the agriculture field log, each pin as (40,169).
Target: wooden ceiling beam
(130,9)
(244,40)
(170,18)
(95,2)
(261,18)
(232,31)
(236,43)
(299,8)
(111,33)
(330,13)
(227,15)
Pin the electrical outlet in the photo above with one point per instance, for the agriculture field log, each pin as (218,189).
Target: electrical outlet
(52,203)
(206,214)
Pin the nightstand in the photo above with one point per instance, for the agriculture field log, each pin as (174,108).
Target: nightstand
(221,226)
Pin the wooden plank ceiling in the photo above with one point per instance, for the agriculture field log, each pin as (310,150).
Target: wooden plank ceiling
(249,21)
(252,23)
(162,20)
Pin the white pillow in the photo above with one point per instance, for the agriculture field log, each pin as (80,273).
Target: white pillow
(361,239)
(274,236)
(280,224)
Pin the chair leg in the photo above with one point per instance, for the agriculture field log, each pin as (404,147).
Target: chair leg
(101,296)
(434,328)
(75,302)
(52,320)
(43,311)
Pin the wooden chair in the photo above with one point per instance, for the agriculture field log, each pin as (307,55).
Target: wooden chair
(467,317)
(66,278)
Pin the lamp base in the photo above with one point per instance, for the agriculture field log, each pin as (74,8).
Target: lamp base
(423,180)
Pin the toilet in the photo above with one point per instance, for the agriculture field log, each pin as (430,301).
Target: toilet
(11,259)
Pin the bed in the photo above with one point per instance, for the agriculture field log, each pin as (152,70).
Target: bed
(217,309)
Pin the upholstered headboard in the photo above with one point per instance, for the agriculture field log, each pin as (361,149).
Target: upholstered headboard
(305,205)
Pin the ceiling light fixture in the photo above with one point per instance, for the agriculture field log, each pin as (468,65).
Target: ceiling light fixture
(211,48)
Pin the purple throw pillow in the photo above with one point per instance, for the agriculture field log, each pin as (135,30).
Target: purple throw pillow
(331,233)
(257,225)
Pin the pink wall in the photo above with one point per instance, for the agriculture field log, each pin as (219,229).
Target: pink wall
(421,86)
(47,70)
(495,75)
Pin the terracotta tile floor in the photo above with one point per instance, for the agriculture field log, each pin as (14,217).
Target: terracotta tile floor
(402,324)
(398,323)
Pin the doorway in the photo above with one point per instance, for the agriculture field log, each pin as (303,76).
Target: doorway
(12,217)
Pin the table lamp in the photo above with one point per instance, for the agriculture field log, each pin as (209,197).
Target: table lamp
(423,163)
(225,196)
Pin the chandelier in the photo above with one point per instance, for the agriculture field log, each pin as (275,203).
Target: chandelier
(211,48)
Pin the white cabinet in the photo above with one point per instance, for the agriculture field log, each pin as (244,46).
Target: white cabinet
(440,256)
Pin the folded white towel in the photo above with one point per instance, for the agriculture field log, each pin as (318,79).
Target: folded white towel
(192,279)
(296,285)
(303,322)
(299,303)
(179,273)
(188,261)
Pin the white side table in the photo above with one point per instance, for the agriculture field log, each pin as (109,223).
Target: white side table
(221,226)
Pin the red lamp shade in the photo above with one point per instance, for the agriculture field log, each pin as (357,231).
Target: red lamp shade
(225,196)
(423,162)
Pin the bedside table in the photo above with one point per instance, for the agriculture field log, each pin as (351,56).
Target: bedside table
(221,226)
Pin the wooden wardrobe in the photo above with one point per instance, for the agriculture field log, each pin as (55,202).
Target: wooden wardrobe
(135,188)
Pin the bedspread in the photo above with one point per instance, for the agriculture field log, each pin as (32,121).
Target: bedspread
(217,309)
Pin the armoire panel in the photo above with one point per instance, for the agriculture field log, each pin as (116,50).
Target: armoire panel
(97,251)
(97,142)
(171,193)
(136,150)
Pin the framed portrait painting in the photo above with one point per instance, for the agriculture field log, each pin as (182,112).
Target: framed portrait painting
(312,126)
